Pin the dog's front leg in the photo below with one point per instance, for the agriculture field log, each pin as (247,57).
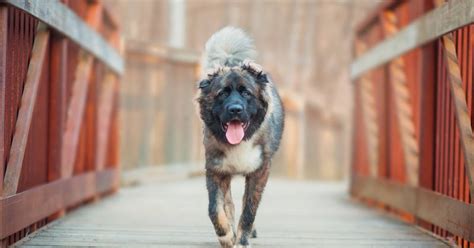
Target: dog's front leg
(218,186)
(254,186)
(229,208)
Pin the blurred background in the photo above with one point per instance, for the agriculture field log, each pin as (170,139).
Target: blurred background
(296,41)
(414,103)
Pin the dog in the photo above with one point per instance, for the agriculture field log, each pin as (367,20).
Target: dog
(243,119)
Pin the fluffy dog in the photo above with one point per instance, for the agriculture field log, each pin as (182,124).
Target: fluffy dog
(243,124)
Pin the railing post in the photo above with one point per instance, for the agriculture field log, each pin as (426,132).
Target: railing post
(427,110)
(3,61)
(3,67)
(57,104)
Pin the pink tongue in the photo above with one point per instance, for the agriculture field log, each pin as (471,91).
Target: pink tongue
(235,133)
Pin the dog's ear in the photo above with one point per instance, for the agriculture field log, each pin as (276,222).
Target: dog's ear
(256,71)
(204,83)
(211,75)
(262,78)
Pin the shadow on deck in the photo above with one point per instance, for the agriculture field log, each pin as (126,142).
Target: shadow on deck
(173,214)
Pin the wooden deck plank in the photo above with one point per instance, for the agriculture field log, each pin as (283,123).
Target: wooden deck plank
(174,214)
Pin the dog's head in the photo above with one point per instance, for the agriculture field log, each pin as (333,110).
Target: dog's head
(233,103)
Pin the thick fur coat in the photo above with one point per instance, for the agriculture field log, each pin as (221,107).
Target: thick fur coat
(243,122)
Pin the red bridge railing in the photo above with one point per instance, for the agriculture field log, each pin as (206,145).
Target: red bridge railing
(413,142)
(59,70)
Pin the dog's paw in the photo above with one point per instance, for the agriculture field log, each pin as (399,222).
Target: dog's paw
(242,242)
(228,240)
(254,233)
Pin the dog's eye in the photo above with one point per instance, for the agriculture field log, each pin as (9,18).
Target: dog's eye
(245,93)
(223,93)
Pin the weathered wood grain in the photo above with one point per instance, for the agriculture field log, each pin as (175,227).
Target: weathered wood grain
(58,16)
(174,214)
(25,113)
(442,20)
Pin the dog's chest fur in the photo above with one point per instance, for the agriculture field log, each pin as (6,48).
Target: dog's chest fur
(243,158)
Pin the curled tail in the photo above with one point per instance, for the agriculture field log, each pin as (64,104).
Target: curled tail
(229,46)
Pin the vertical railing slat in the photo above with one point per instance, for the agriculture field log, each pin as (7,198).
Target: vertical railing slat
(427,109)
(3,71)
(57,104)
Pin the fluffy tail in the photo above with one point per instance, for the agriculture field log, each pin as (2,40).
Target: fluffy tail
(228,47)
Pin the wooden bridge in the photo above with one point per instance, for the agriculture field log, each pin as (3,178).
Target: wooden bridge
(174,214)
(412,167)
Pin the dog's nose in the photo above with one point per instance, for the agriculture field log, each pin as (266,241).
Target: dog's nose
(235,109)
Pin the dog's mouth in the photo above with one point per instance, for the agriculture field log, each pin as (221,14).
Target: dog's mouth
(235,131)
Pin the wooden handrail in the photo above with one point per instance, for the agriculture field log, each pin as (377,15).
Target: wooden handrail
(59,17)
(434,24)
